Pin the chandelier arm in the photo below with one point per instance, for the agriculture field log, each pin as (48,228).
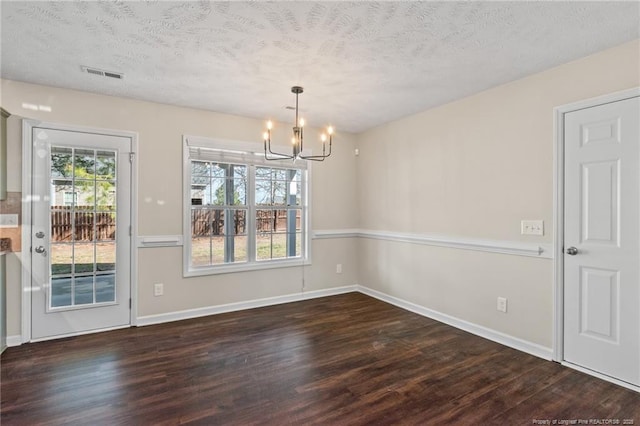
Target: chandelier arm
(319,157)
(301,135)
(312,158)
(279,156)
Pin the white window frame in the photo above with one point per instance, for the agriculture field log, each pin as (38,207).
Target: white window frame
(252,154)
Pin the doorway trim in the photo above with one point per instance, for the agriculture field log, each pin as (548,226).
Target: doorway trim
(27,196)
(558,215)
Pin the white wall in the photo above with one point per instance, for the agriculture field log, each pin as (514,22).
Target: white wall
(160,129)
(473,169)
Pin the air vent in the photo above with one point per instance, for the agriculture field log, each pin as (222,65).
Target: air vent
(103,73)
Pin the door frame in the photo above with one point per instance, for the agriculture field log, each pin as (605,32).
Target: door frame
(558,215)
(27,196)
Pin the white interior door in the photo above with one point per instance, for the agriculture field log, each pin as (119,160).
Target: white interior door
(80,242)
(601,241)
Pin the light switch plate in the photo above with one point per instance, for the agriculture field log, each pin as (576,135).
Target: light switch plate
(532,227)
(8,220)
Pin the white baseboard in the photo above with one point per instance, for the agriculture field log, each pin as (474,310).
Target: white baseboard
(14,340)
(504,339)
(239,306)
(478,330)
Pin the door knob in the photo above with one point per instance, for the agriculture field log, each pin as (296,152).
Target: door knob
(40,250)
(39,234)
(572,251)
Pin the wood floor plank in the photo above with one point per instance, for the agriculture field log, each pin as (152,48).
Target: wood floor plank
(340,360)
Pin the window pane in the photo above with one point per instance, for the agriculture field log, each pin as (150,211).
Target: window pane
(199,187)
(263,246)
(240,249)
(84,221)
(105,288)
(105,226)
(84,164)
(200,251)
(86,193)
(263,173)
(105,256)
(199,168)
(201,222)
(83,257)
(240,191)
(264,191)
(106,196)
(265,221)
(61,258)
(280,191)
(105,165)
(217,250)
(61,227)
(61,162)
(279,174)
(215,192)
(239,222)
(297,239)
(60,292)
(83,290)
(63,193)
(218,170)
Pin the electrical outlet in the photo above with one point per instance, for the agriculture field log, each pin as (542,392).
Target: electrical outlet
(339,268)
(532,227)
(502,304)
(158,289)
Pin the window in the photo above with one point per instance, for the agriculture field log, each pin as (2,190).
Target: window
(242,211)
(70,198)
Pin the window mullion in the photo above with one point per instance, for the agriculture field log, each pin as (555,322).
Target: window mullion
(251,214)
(304,214)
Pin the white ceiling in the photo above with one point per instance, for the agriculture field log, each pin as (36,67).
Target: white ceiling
(361,63)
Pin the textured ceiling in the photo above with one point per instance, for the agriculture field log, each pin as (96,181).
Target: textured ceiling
(361,63)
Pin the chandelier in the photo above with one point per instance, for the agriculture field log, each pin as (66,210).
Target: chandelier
(297,139)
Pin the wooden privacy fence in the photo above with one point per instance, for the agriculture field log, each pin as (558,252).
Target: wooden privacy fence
(89,226)
(206,222)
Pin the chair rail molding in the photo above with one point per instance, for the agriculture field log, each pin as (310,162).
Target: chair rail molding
(516,248)
(146,241)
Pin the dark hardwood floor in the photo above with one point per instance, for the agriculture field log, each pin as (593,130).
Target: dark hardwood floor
(342,360)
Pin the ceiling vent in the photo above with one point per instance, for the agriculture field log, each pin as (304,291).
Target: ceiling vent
(103,73)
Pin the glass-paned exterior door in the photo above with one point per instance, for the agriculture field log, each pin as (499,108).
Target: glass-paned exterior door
(81,222)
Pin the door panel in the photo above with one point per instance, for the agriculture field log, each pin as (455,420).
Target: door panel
(600,204)
(602,223)
(81,245)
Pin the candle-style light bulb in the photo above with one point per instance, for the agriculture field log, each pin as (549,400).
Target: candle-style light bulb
(302,122)
(269,125)
(323,137)
(330,130)
(293,141)
(265,136)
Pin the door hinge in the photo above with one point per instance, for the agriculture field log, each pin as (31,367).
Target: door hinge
(130,303)
(131,156)
(130,230)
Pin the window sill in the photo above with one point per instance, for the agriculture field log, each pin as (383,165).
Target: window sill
(246,267)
